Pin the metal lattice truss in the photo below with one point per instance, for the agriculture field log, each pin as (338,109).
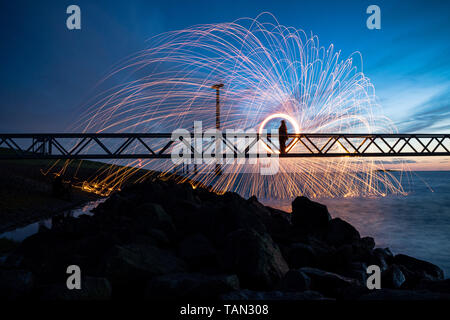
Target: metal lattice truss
(234,145)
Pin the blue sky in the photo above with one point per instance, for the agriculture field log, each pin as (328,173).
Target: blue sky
(48,72)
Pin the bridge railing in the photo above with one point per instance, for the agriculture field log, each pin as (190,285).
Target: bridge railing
(162,145)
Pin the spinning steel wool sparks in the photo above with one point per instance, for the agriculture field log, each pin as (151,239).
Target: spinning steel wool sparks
(270,72)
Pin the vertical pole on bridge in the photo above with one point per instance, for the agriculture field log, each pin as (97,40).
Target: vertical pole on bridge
(218,141)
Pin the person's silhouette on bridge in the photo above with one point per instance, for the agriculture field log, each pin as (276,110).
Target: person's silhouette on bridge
(58,186)
(282,136)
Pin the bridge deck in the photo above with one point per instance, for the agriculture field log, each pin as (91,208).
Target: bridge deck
(237,145)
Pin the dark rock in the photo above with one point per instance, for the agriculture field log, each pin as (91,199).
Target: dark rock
(368,243)
(356,270)
(191,285)
(260,210)
(91,289)
(116,204)
(392,278)
(363,250)
(300,255)
(324,253)
(328,283)
(255,258)
(153,237)
(129,245)
(412,278)
(15,284)
(277,213)
(153,216)
(237,214)
(380,257)
(198,252)
(129,266)
(341,259)
(387,254)
(307,214)
(344,258)
(295,281)
(272,295)
(48,254)
(216,220)
(340,232)
(76,227)
(403,295)
(277,222)
(279,226)
(428,269)
(188,217)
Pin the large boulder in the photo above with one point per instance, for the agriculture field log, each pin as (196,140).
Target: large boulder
(235,213)
(300,255)
(362,250)
(356,270)
(340,259)
(260,210)
(152,216)
(47,254)
(153,237)
(119,203)
(255,258)
(273,295)
(189,217)
(328,283)
(295,281)
(198,252)
(216,219)
(130,266)
(91,289)
(324,254)
(420,267)
(393,277)
(367,243)
(382,257)
(277,222)
(309,215)
(75,227)
(341,232)
(191,285)
(345,257)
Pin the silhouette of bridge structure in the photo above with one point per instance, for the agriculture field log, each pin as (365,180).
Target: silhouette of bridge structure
(160,145)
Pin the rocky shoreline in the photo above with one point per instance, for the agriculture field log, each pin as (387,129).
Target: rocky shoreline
(161,240)
(26,193)
(55,207)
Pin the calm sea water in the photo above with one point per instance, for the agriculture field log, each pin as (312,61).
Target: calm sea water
(417,224)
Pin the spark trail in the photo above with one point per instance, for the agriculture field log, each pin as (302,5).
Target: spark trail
(270,72)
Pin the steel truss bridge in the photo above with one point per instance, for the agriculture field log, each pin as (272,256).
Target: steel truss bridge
(160,145)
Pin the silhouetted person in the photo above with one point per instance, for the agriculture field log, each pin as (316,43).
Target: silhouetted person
(58,186)
(282,136)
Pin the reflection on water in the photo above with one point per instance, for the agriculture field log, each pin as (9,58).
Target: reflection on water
(417,224)
(20,234)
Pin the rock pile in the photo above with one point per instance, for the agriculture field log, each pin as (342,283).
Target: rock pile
(162,240)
